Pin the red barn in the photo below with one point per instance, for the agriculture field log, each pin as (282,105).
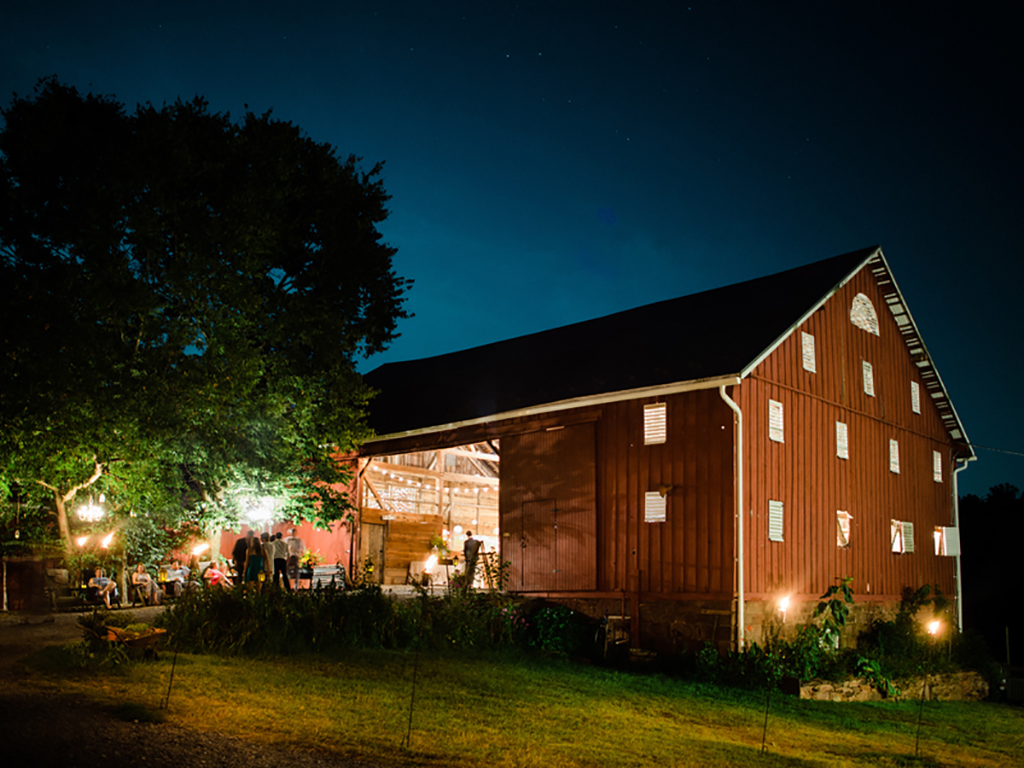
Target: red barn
(686,463)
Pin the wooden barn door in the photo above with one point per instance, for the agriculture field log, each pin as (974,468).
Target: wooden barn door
(549,510)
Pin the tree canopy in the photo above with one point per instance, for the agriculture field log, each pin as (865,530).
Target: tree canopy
(184,300)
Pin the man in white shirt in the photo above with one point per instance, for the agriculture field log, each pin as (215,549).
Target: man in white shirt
(296,549)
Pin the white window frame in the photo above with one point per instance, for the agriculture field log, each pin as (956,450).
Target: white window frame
(776,422)
(842,440)
(843,519)
(655,507)
(937,466)
(776,520)
(868,376)
(655,423)
(894,456)
(810,362)
(915,397)
(947,541)
(901,534)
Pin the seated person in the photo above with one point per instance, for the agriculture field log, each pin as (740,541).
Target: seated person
(177,575)
(216,576)
(106,587)
(151,593)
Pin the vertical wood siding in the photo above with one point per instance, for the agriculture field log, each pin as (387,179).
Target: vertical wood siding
(804,473)
(548,508)
(692,551)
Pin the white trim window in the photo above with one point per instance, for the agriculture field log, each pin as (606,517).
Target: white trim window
(655,507)
(915,397)
(842,441)
(894,457)
(776,431)
(655,423)
(868,375)
(902,536)
(807,349)
(862,314)
(843,519)
(947,541)
(775,513)
(936,466)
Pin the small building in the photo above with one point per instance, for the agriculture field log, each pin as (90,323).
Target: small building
(687,463)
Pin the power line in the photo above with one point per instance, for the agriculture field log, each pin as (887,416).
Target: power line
(997,450)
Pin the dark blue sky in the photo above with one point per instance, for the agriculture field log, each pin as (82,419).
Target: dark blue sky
(555,161)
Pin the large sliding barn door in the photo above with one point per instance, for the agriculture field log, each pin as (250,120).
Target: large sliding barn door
(548,509)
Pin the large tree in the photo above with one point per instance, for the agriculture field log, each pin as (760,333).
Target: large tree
(184,300)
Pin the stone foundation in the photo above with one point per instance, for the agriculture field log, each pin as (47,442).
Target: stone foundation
(959,686)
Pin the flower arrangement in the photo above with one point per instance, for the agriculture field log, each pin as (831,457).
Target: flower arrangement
(310,560)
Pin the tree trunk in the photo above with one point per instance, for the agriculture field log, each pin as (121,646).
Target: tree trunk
(62,523)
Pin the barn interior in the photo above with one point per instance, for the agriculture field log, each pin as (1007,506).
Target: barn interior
(419,508)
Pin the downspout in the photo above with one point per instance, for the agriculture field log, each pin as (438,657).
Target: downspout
(957,469)
(740,595)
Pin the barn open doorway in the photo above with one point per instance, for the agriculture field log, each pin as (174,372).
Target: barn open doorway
(428,502)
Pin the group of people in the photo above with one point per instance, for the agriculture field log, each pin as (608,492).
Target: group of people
(175,581)
(270,556)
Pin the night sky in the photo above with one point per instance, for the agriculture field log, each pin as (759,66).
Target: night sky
(551,162)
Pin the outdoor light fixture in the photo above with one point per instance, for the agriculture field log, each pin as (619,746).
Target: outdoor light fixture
(107,539)
(80,541)
(198,550)
(92,511)
(934,627)
(783,607)
(261,510)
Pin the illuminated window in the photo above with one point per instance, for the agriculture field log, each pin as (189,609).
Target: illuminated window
(894,457)
(902,536)
(654,507)
(843,519)
(655,423)
(807,342)
(868,374)
(947,541)
(775,425)
(915,396)
(936,466)
(862,314)
(775,521)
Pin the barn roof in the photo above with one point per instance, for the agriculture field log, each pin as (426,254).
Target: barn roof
(696,341)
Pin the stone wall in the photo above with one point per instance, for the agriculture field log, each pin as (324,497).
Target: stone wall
(958,686)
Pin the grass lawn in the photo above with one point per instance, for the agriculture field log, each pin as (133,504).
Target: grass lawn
(493,712)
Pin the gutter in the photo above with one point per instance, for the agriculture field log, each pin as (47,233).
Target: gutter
(957,469)
(740,594)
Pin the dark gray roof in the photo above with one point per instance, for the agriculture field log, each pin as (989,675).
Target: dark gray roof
(704,335)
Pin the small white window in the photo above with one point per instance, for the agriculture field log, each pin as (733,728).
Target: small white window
(807,341)
(775,424)
(902,535)
(775,521)
(915,396)
(868,374)
(655,423)
(654,507)
(842,441)
(936,466)
(843,519)
(947,541)
(862,314)
(894,457)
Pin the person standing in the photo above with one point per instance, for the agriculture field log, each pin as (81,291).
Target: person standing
(254,564)
(470,553)
(296,549)
(280,561)
(239,553)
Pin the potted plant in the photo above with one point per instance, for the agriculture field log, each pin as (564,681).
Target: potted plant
(308,562)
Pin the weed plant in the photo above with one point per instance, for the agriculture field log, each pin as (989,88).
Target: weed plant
(329,618)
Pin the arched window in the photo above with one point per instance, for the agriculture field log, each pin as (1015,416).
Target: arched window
(862,314)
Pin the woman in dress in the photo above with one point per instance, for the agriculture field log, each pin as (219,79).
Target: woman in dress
(255,559)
